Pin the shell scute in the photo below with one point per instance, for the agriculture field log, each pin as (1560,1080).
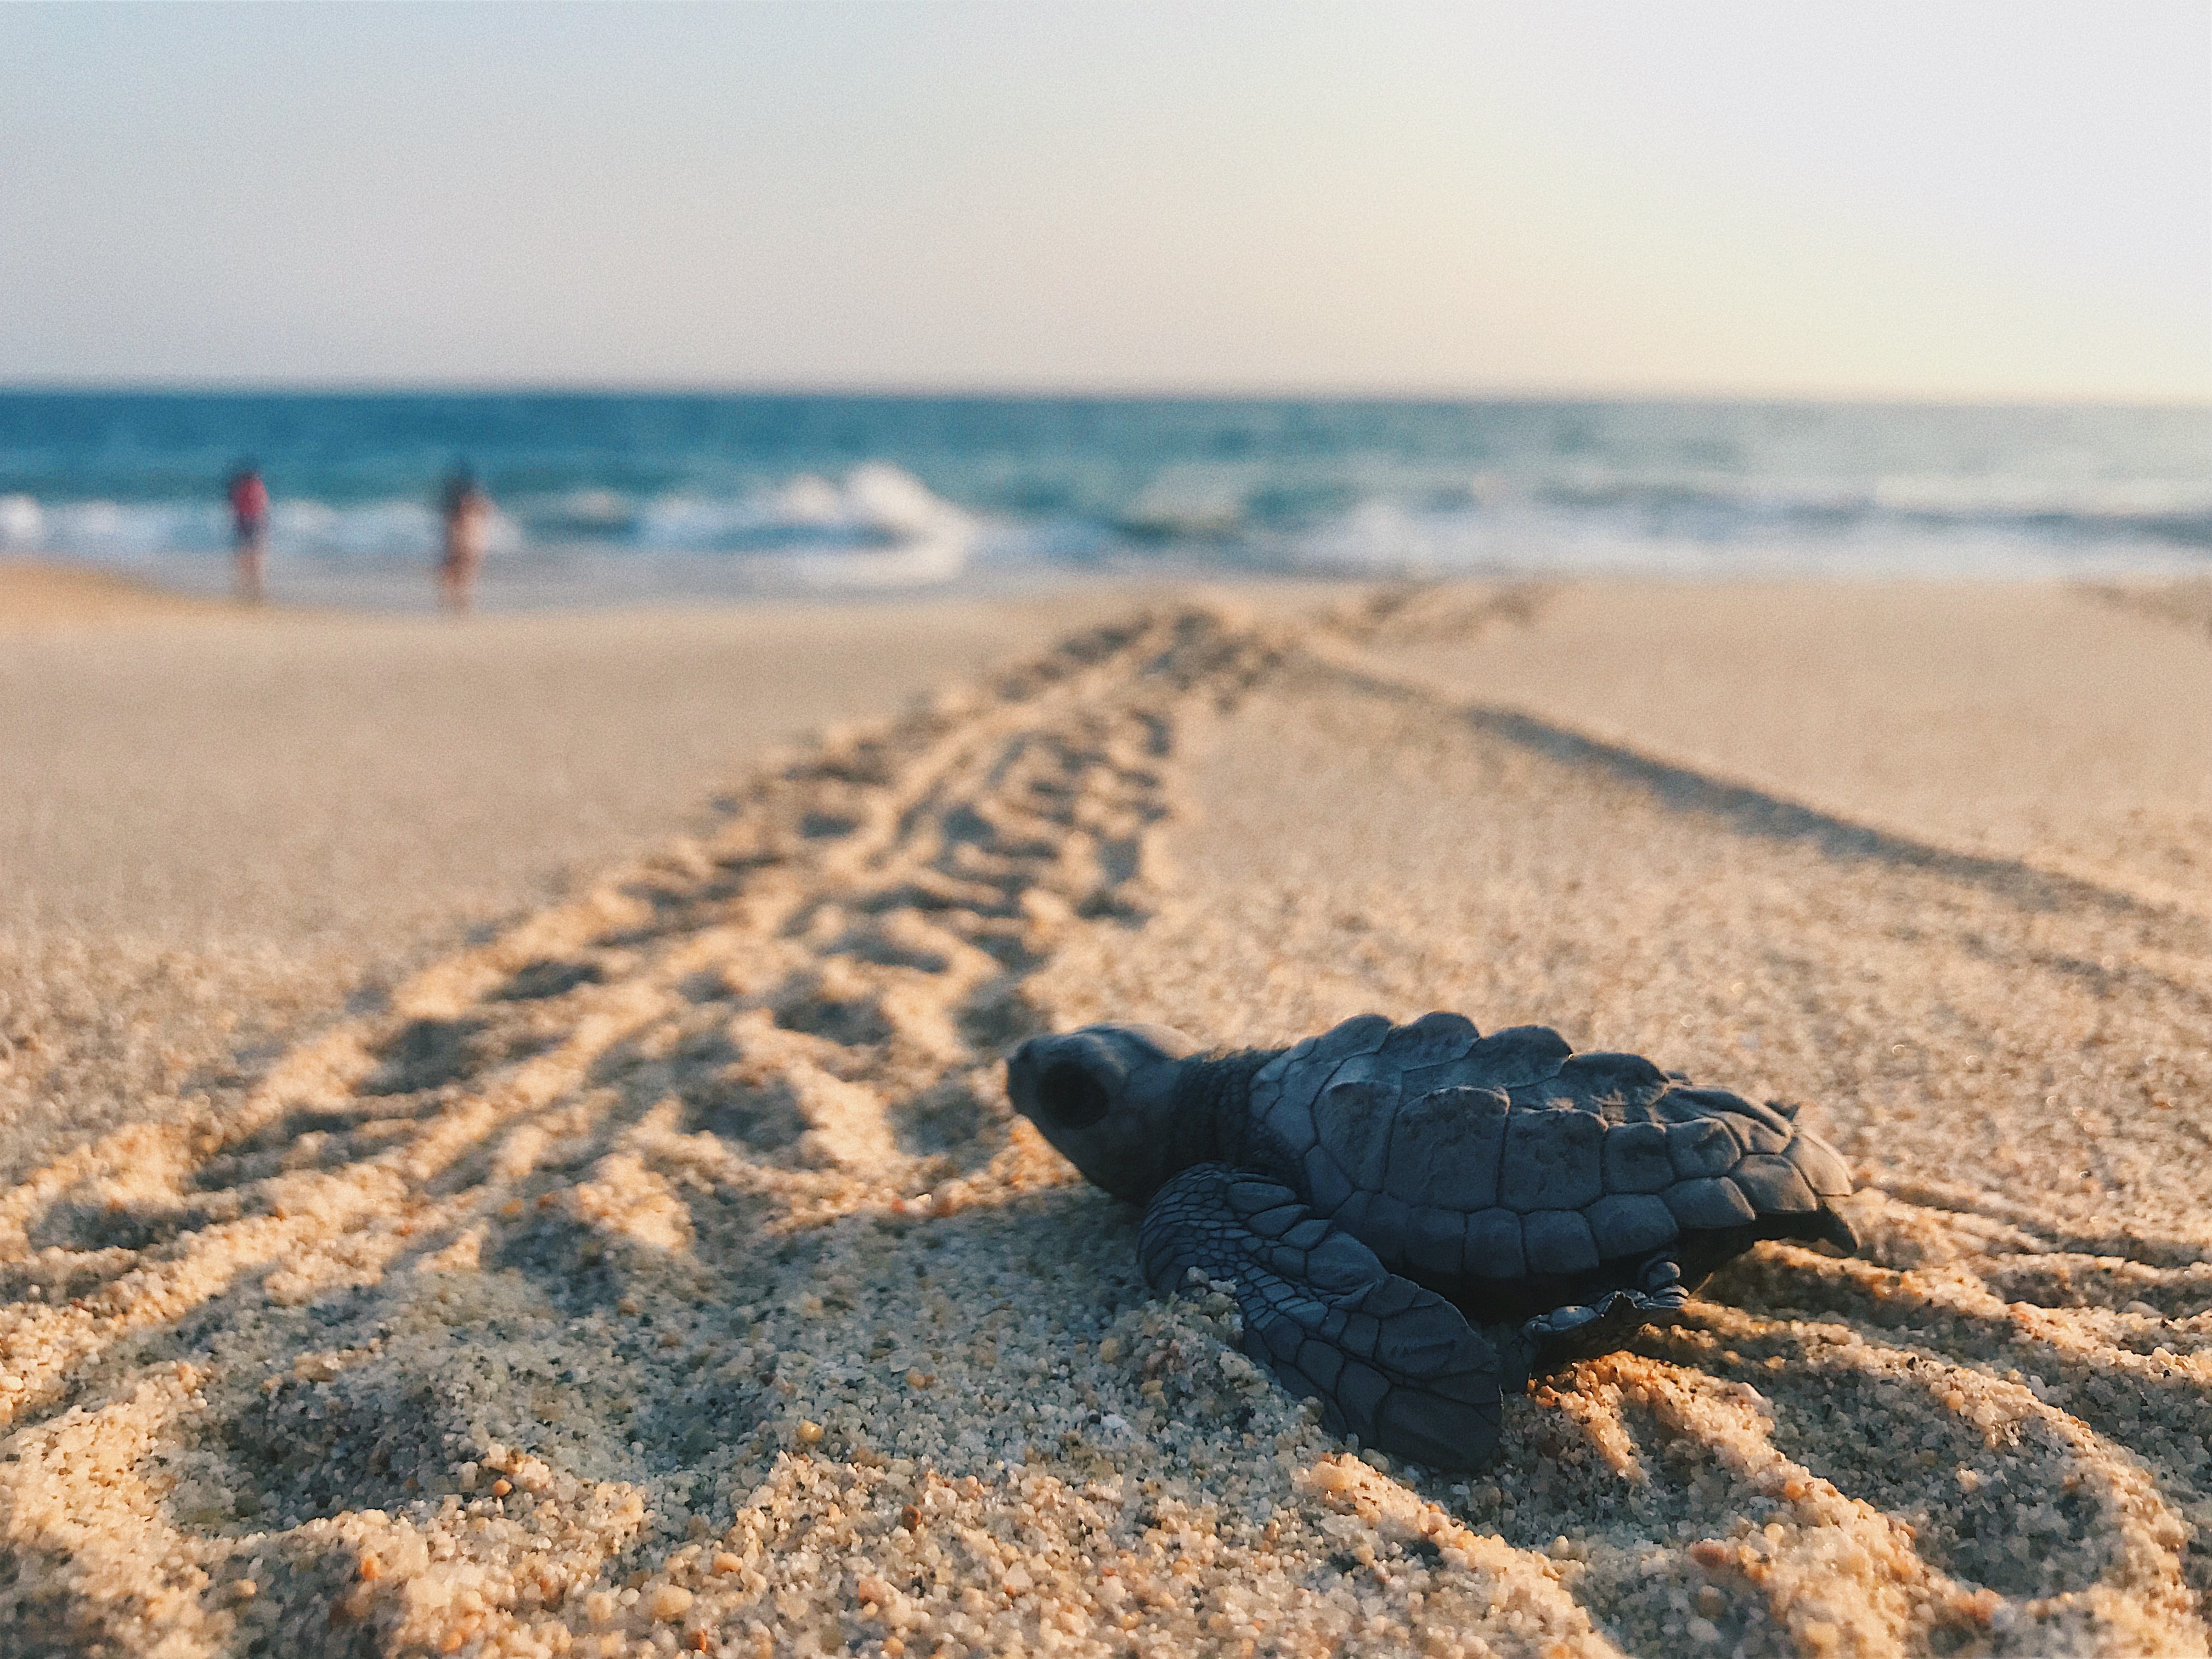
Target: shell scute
(1702,1146)
(1541,1097)
(1708,1204)
(1553,1160)
(1434,1039)
(1757,1137)
(1293,1131)
(1284,1070)
(1592,1079)
(1519,1056)
(1559,1242)
(1375,1069)
(1824,1172)
(1635,1158)
(1264,1099)
(1301,1086)
(1363,1033)
(1782,1120)
(1631,1224)
(1773,1185)
(1445,1149)
(1761,1128)
(1420,1080)
(1311,1072)
(1493,1247)
(1353,1119)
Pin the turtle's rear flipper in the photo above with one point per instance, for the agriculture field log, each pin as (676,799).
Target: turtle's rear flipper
(1566,1334)
(1831,1228)
(1393,1364)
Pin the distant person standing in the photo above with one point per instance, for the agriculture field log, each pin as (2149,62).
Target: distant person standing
(249,524)
(466,511)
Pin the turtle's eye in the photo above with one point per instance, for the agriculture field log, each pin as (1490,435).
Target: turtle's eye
(1070,1096)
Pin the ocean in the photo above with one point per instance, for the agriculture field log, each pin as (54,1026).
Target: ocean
(632,497)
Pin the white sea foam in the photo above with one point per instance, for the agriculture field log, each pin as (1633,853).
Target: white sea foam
(877,508)
(22,523)
(1501,534)
(876,528)
(880,525)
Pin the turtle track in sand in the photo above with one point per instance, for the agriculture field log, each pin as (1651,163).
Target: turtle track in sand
(654,1104)
(1986,1433)
(667,1272)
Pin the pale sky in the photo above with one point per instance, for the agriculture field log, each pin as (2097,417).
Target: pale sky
(1933,199)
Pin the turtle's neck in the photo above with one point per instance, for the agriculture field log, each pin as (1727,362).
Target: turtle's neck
(1212,1120)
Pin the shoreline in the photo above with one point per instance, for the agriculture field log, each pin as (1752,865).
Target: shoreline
(798,1336)
(51,590)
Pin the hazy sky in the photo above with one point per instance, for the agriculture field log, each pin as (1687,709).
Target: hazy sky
(1928,199)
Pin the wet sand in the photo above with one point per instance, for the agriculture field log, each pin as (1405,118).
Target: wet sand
(662,1272)
(37,594)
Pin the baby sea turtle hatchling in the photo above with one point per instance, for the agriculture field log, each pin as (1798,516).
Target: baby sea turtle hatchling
(1417,1217)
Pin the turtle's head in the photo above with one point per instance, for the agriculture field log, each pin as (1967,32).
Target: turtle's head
(1105,1095)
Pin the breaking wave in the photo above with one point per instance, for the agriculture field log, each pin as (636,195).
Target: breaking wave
(878,526)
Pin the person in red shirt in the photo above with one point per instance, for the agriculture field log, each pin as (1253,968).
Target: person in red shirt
(249,519)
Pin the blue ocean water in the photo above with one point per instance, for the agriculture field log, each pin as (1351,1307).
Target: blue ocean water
(634,496)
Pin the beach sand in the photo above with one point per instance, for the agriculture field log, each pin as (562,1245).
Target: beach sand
(39,594)
(216,823)
(661,1270)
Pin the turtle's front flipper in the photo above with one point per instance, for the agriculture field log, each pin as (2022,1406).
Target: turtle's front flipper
(1393,1364)
(1584,1333)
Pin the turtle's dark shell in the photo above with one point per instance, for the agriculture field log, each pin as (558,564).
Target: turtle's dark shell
(1512,1175)
(1417,1218)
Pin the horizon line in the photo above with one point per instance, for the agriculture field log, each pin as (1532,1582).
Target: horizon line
(893,392)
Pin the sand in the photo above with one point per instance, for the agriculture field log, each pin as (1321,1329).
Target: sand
(663,1272)
(2007,722)
(216,824)
(39,595)
(2188,603)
